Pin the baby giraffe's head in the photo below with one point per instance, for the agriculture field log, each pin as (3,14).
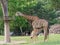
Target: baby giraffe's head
(19,14)
(32,34)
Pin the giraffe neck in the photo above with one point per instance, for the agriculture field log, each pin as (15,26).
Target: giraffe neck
(29,17)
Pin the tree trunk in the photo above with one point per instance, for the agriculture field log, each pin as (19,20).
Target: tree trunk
(21,30)
(6,20)
(7,32)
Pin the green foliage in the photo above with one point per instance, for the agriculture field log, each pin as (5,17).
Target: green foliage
(0,11)
(56,3)
(1,21)
(20,22)
(56,20)
(44,9)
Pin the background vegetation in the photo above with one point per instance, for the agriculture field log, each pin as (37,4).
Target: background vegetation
(44,9)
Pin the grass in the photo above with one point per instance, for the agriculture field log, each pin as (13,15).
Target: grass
(54,39)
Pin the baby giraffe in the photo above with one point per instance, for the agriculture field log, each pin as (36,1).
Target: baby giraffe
(37,24)
(34,35)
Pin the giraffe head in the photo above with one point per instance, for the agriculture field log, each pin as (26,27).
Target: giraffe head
(19,14)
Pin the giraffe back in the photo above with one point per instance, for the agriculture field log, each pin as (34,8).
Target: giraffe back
(39,23)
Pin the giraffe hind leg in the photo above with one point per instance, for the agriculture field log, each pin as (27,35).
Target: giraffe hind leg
(45,34)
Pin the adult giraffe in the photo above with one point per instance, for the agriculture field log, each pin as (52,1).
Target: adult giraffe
(4,5)
(37,24)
